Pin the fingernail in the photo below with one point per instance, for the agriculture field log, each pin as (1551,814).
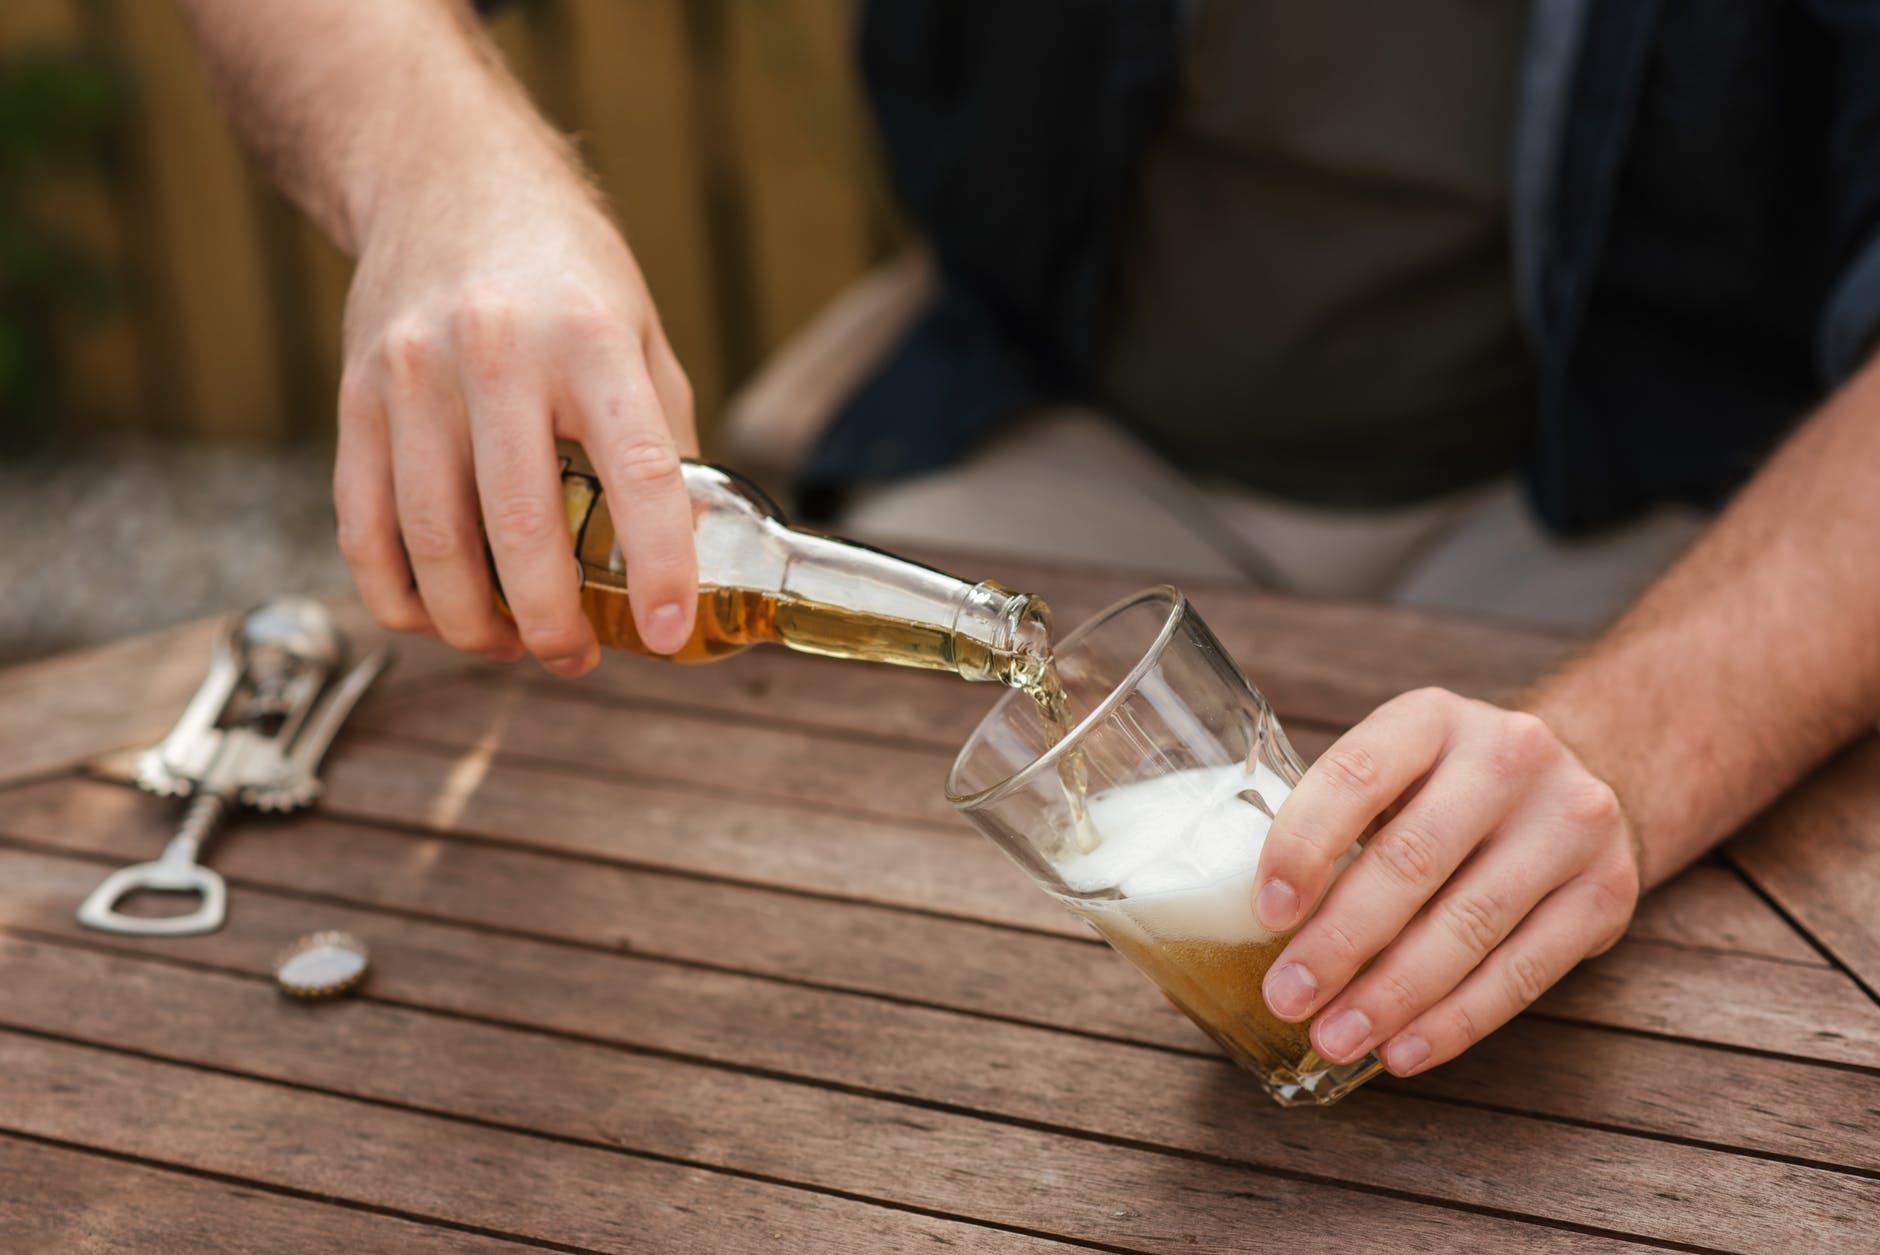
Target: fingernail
(1406,1054)
(1342,1034)
(1276,906)
(1290,989)
(665,629)
(568,666)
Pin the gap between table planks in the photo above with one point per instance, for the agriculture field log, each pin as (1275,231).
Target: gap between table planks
(58,1199)
(1770,1004)
(1335,696)
(1558,1070)
(510,885)
(939,1158)
(62,711)
(428,1169)
(1325,662)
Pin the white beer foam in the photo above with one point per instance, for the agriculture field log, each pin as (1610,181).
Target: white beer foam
(1182,850)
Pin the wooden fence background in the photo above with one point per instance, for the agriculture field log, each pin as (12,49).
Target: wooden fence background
(728,133)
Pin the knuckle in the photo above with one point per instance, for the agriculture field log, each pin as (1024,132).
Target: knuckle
(1462,1023)
(1340,944)
(1401,994)
(1407,851)
(1525,979)
(554,640)
(1522,742)
(525,521)
(587,319)
(1471,920)
(429,541)
(403,614)
(410,353)
(1430,698)
(1614,892)
(1351,768)
(1625,884)
(483,316)
(472,639)
(1591,803)
(485,325)
(647,463)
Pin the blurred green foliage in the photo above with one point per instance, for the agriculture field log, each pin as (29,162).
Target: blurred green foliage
(61,116)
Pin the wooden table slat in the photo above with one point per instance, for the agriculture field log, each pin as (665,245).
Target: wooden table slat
(860,1145)
(808,848)
(62,711)
(58,1201)
(803,1135)
(847,772)
(1619,1080)
(1021,976)
(698,958)
(1817,853)
(434,1168)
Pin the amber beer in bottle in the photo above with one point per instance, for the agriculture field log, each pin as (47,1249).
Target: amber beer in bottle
(761,580)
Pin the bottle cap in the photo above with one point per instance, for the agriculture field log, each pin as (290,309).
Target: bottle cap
(322,965)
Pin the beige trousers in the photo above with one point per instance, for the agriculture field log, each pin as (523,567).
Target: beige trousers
(1068,485)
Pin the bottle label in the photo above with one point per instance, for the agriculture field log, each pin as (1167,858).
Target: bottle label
(580,493)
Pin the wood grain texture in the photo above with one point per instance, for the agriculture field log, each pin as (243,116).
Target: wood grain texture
(63,711)
(1728,999)
(957,1164)
(1066,981)
(950,870)
(1708,907)
(779,687)
(386,781)
(825,990)
(729,756)
(1828,1115)
(58,1201)
(1817,854)
(429,1168)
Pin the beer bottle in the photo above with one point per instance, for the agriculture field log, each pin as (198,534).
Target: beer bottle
(763,580)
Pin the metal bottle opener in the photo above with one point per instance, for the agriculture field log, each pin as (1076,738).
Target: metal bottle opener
(253,735)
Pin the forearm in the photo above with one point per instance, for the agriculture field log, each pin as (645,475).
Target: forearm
(1753,658)
(338,98)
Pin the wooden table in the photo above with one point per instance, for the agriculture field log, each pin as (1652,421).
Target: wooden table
(698,960)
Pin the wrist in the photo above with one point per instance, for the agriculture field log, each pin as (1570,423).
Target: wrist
(461,180)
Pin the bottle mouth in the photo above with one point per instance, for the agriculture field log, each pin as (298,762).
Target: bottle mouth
(1013,629)
(1026,639)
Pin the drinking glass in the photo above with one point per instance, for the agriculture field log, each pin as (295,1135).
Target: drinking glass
(1181,765)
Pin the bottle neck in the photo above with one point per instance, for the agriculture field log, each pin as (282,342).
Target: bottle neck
(979,631)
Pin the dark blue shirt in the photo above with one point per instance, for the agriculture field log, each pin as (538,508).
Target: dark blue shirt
(1697,191)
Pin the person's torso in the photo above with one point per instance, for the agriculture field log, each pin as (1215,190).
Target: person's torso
(1313,289)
